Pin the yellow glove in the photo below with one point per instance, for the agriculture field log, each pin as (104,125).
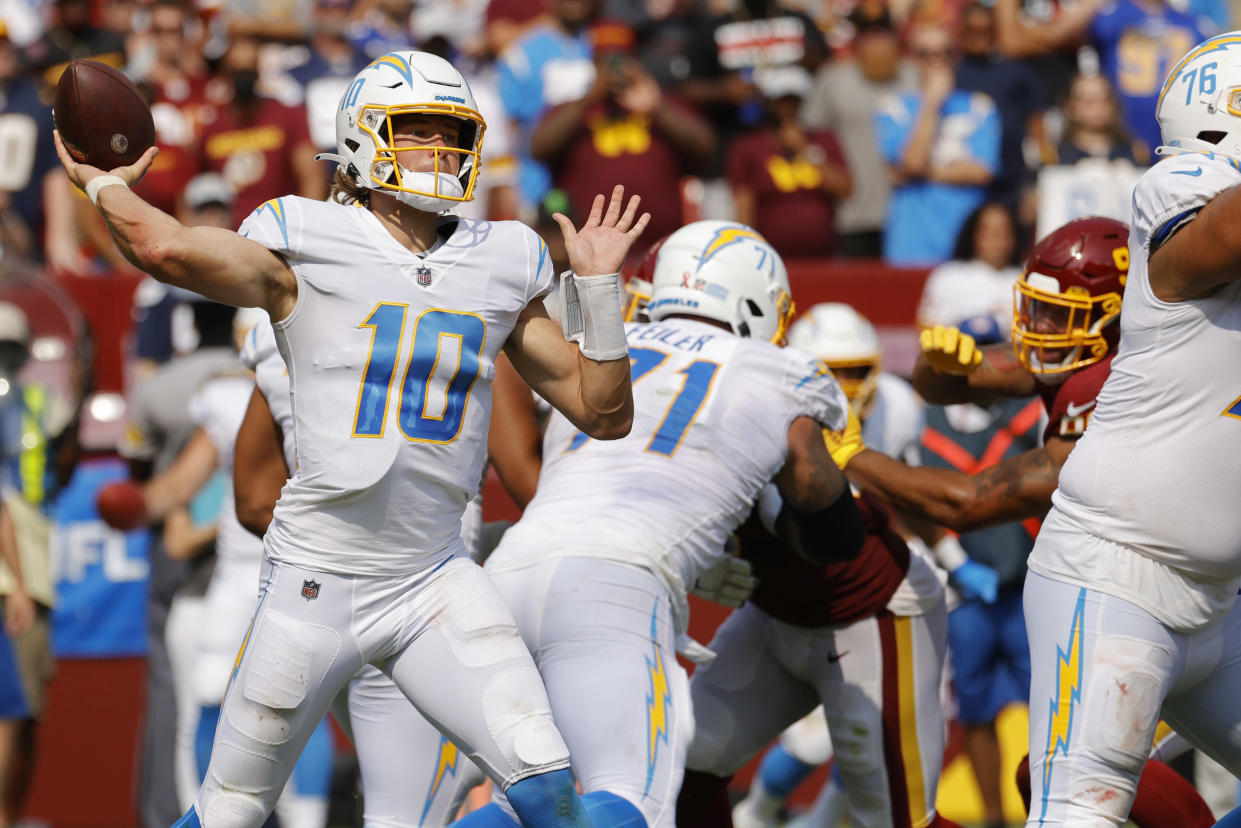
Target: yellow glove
(843,445)
(949,351)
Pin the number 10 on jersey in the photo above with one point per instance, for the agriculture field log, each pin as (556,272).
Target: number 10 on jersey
(444,343)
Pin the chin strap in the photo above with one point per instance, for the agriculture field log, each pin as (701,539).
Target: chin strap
(331,156)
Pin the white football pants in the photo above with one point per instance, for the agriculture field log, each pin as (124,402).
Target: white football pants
(1102,672)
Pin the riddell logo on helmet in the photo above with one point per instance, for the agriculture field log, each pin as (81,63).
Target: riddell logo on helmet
(449,98)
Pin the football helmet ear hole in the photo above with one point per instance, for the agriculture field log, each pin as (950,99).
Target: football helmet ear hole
(753,307)
(1212,136)
(352,144)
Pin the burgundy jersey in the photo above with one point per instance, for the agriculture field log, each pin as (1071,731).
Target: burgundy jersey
(797,592)
(1070,404)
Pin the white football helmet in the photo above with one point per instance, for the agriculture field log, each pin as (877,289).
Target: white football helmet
(401,83)
(1199,106)
(724,271)
(844,339)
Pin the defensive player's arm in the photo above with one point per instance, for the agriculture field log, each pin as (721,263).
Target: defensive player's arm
(588,384)
(217,263)
(1201,254)
(259,467)
(952,369)
(819,518)
(1014,489)
(514,442)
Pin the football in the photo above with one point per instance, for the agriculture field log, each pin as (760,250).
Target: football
(122,505)
(103,119)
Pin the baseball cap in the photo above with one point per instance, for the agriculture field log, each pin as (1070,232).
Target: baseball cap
(208,188)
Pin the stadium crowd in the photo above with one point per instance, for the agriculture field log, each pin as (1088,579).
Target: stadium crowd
(945,136)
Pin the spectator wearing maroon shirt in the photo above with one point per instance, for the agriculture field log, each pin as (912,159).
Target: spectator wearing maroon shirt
(625,129)
(260,146)
(785,179)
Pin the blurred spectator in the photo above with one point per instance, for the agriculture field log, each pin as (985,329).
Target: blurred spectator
(36,199)
(383,28)
(177,84)
(624,130)
(1048,34)
(326,67)
(506,20)
(550,64)
(1092,124)
(158,427)
(1015,90)
(844,100)
(158,327)
(267,20)
(728,50)
(261,146)
(73,35)
(942,146)
(27,441)
(786,180)
(978,281)
(1138,44)
(666,30)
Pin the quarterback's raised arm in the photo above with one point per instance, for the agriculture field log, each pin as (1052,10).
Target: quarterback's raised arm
(589,381)
(217,263)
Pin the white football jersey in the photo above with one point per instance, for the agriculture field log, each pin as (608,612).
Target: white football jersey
(1157,471)
(260,354)
(710,428)
(390,357)
(894,424)
(218,409)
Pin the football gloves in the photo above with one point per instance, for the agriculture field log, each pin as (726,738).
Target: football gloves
(845,444)
(950,351)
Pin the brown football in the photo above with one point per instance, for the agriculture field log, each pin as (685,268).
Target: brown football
(103,119)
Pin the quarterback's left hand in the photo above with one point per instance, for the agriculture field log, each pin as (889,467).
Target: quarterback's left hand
(728,582)
(602,244)
(846,444)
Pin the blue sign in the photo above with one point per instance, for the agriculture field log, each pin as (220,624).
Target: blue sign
(101,574)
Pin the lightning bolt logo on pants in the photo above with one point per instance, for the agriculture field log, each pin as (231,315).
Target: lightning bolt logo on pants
(1068,696)
(657,702)
(445,765)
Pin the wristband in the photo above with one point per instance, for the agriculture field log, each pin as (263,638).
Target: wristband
(97,183)
(590,314)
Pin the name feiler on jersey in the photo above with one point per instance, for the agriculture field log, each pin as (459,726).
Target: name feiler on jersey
(711,418)
(390,358)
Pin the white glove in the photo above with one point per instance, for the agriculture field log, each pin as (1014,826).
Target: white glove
(728,582)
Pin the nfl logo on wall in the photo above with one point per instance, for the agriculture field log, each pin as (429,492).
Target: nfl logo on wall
(310,590)
(424,275)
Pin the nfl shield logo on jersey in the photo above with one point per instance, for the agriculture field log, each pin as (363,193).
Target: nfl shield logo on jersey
(424,275)
(310,590)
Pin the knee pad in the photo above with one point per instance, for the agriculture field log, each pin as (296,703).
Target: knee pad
(808,739)
(233,809)
(548,799)
(1122,711)
(523,730)
(607,810)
